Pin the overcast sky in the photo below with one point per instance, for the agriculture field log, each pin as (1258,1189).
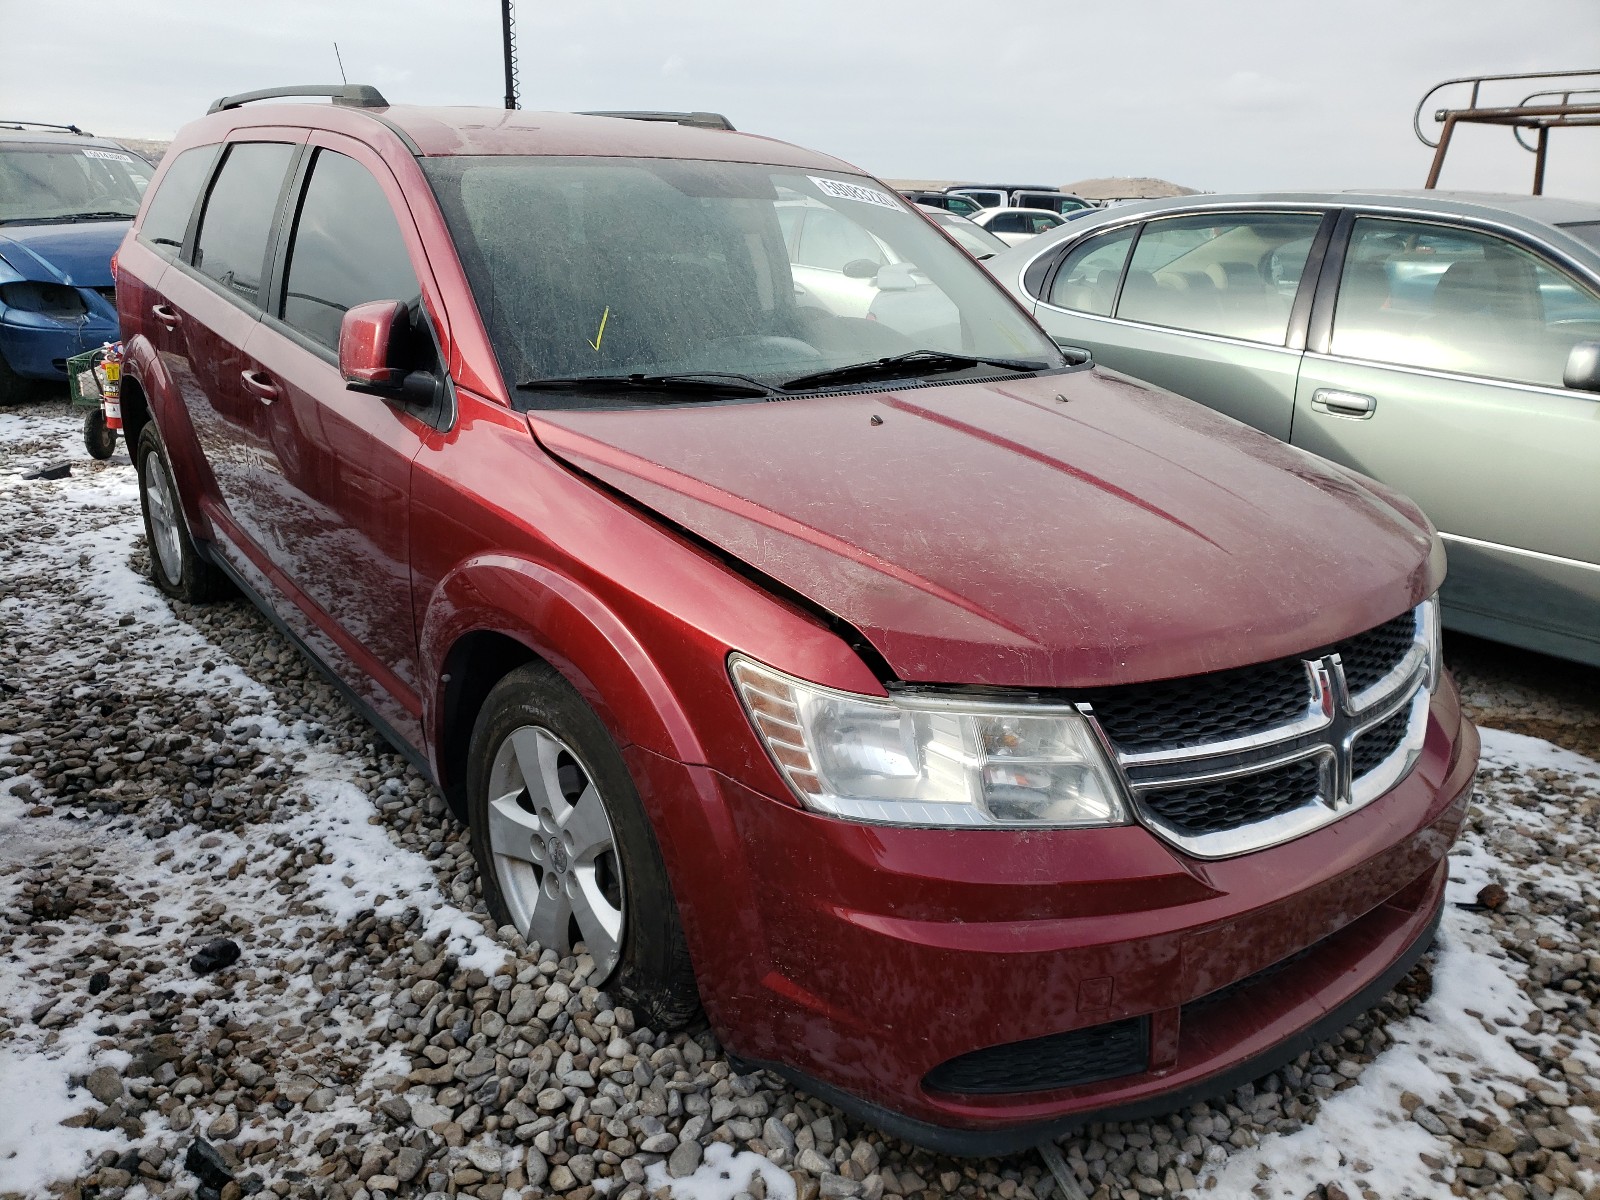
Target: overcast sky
(1226,95)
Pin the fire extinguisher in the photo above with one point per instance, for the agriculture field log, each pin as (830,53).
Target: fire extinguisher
(101,427)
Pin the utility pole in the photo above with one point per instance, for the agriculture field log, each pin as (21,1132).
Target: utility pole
(510,40)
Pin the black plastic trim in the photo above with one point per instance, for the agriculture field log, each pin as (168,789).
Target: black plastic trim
(985,1143)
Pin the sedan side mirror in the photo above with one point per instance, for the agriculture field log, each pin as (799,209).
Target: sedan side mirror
(1583,367)
(372,342)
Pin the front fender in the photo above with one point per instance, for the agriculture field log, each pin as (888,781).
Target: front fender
(567,626)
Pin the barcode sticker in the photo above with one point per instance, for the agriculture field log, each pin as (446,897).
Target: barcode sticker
(109,155)
(840,190)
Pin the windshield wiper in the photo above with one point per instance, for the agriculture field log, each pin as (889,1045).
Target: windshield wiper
(722,383)
(98,216)
(913,362)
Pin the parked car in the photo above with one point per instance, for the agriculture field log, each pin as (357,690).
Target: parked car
(970,236)
(1447,344)
(786,663)
(961,206)
(1017,225)
(1015,196)
(66,200)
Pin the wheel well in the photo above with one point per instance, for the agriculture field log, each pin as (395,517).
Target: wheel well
(135,412)
(473,666)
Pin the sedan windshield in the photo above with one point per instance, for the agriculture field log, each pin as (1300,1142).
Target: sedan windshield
(604,268)
(51,182)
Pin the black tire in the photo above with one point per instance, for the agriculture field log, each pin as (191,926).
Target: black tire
(99,441)
(189,577)
(653,974)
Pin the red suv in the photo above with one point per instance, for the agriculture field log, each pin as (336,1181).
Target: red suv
(982,739)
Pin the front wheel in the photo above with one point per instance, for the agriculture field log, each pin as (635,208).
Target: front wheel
(175,564)
(564,849)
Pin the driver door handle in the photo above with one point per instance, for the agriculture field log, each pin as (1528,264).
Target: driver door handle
(1343,404)
(259,385)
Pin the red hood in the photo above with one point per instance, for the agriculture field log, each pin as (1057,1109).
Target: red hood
(992,534)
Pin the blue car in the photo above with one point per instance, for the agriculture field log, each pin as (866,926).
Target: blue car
(66,199)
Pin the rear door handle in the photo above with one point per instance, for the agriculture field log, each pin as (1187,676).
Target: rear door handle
(1343,404)
(167,316)
(259,385)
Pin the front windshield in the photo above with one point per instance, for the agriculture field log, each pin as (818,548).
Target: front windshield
(52,182)
(974,239)
(611,267)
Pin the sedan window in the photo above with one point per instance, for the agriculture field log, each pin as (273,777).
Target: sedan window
(1231,274)
(1087,279)
(1456,300)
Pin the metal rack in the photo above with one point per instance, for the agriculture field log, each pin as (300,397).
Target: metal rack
(1541,111)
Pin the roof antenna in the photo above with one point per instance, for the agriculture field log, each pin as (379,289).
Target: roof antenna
(340,61)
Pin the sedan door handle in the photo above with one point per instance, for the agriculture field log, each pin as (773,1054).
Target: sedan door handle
(259,385)
(167,316)
(1343,404)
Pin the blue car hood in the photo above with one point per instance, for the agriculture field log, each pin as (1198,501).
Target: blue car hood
(76,253)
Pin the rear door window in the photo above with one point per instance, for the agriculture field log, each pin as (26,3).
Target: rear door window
(231,246)
(347,250)
(166,221)
(1230,274)
(1456,300)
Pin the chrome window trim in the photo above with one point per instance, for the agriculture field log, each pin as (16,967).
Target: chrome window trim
(1188,333)
(1334,721)
(1554,559)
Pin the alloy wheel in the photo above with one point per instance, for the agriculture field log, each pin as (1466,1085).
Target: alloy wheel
(164,529)
(555,854)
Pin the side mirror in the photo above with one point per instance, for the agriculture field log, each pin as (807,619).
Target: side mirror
(861,268)
(372,339)
(896,277)
(1583,367)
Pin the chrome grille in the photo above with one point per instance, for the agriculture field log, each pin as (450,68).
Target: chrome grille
(1236,761)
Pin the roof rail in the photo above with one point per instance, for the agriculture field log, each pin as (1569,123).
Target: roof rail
(1559,107)
(353,95)
(9,124)
(700,120)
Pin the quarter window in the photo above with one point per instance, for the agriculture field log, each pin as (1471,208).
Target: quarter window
(347,250)
(1455,300)
(1230,274)
(166,220)
(1087,279)
(231,246)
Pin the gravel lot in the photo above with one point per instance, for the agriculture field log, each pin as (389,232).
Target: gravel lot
(172,776)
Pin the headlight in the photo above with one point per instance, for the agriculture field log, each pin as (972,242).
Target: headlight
(53,300)
(930,760)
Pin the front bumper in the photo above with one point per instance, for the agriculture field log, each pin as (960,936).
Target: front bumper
(858,959)
(37,347)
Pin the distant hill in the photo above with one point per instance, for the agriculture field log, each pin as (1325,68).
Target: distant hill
(1127,187)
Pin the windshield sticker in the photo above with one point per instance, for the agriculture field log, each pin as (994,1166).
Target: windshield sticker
(854,191)
(110,155)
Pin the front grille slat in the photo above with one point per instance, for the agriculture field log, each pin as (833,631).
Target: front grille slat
(1379,742)
(1201,808)
(1369,656)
